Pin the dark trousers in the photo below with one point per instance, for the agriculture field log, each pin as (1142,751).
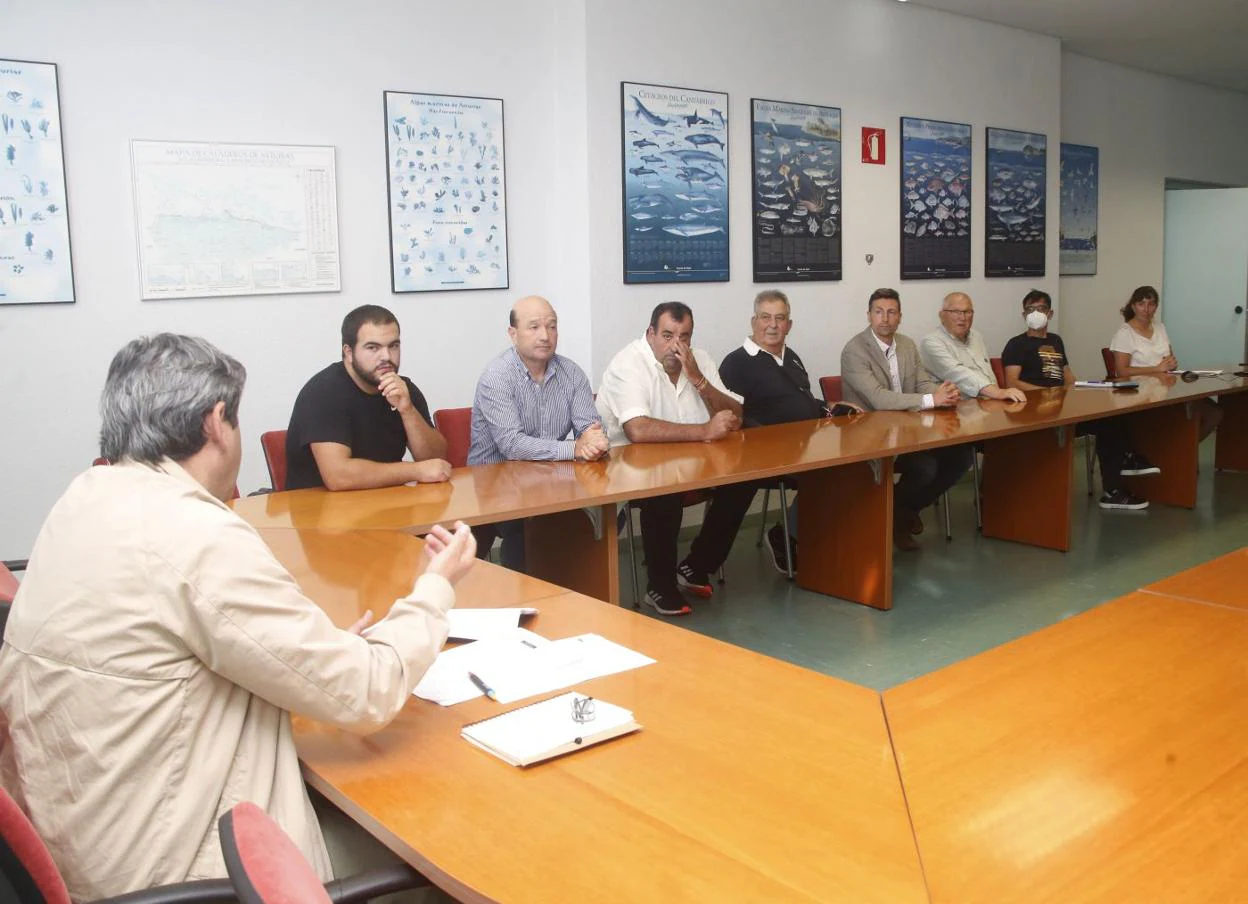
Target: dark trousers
(926,475)
(512,532)
(1112,443)
(660,530)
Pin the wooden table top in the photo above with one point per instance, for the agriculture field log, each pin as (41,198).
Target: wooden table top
(1223,581)
(1102,759)
(752,779)
(488,493)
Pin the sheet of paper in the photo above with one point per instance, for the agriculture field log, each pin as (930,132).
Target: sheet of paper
(447,682)
(560,664)
(478,624)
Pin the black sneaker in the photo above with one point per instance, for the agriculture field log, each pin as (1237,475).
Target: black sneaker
(1136,465)
(666,603)
(1121,499)
(696,582)
(775,545)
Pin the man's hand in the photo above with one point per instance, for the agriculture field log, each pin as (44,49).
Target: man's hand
(1009,394)
(591,444)
(364,622)
(720,425)
(828,406)
(394,390)
(946,395)
(432,470)
(450,555)
(692,373)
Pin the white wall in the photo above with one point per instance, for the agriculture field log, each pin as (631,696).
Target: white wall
(875,59)
(1149,128)
(278,71)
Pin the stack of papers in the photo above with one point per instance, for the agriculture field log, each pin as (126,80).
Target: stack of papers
(519,664)
(548,729)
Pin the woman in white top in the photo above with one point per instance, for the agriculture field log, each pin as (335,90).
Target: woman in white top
(1141,346)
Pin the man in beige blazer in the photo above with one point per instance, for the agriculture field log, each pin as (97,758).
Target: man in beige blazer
(881,370)
(156,648)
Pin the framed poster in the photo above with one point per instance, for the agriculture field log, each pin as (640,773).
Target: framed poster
(217,220)
(675,177)
(1080,175)
(935,199)
(1015,216)
(35,261)
(796,152)
(447,185)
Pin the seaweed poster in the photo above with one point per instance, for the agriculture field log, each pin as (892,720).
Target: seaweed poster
(1015,216)
(675,176)
(1080,180)
(35,264)
(935,199)
(448,192)
(797,191)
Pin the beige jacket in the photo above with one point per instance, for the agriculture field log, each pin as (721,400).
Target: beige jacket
(865,377)
(151,661)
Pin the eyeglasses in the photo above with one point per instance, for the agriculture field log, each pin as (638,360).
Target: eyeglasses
(779,319)
(956,313)
(1042,308)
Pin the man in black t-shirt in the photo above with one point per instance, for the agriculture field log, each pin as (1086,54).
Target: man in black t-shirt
(354,421)
(1036,359)
(775,387)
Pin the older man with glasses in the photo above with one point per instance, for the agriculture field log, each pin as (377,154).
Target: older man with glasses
(957,353)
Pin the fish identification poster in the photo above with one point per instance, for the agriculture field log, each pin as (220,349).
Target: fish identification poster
(675,175)
(1017,178)
(797,191)
(935,199)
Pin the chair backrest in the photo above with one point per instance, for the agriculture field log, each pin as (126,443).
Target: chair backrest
(456,425)
(1111,366)
(999,369)
(831,387)
(8,584)
(274,445)
(24,859)
(264,865)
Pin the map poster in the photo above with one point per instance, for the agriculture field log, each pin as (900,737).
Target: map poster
(448,192)
(35,266)
(1080,179)
(797,191)
(675,173)
(234,219)
(1016,213)
(935,199)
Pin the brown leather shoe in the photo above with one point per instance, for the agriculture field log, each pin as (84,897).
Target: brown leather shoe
(916,523)
(903,539)
(906,520)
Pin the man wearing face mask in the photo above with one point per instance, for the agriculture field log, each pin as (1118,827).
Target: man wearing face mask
(1036,359)
(659,389)
(353,421)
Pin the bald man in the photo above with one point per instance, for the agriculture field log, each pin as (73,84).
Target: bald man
(531,405)
(957,353)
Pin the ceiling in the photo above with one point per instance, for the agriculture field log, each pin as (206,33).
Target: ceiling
(1202,41)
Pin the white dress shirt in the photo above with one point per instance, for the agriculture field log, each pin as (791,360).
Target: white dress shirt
(894,373)
(965,364)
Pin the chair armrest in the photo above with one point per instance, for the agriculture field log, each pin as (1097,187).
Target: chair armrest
(204,891)
(369,885)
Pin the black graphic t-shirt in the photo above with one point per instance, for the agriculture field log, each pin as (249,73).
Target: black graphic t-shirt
(1042,359)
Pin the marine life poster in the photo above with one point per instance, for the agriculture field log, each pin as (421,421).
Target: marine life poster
(675,174)
(1080,182)
(797,191)
(448,192)
(935,199)
(35,265)
(1015,216)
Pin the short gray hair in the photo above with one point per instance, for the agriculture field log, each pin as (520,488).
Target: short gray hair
(157,392)
(771,295)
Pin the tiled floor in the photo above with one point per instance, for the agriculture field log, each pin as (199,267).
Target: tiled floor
(956,599)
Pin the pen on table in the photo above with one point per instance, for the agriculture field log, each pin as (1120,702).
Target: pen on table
(483,687)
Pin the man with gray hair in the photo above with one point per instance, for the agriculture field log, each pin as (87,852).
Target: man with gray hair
(956,352)
(156,648)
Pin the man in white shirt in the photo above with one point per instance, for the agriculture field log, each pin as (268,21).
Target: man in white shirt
(659,389)
(956,353)
(156,648)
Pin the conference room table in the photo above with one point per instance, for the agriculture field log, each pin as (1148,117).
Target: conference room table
(750,780)
(845,466)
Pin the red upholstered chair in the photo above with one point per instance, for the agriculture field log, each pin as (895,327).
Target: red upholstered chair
(265,867)
(456,425)
(8,585)
(831,387)
(274,445)
(999,370)
(28,868)
(1111,366)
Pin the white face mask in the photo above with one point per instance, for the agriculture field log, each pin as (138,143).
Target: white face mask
(1037,320)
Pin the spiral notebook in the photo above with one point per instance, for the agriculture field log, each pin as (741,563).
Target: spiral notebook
(550,728)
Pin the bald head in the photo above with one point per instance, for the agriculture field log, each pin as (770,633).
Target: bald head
(534,331)
(956,315)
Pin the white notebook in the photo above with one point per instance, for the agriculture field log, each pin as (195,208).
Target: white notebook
(549,728)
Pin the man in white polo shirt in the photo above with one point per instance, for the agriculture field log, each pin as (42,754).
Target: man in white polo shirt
(659,389)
